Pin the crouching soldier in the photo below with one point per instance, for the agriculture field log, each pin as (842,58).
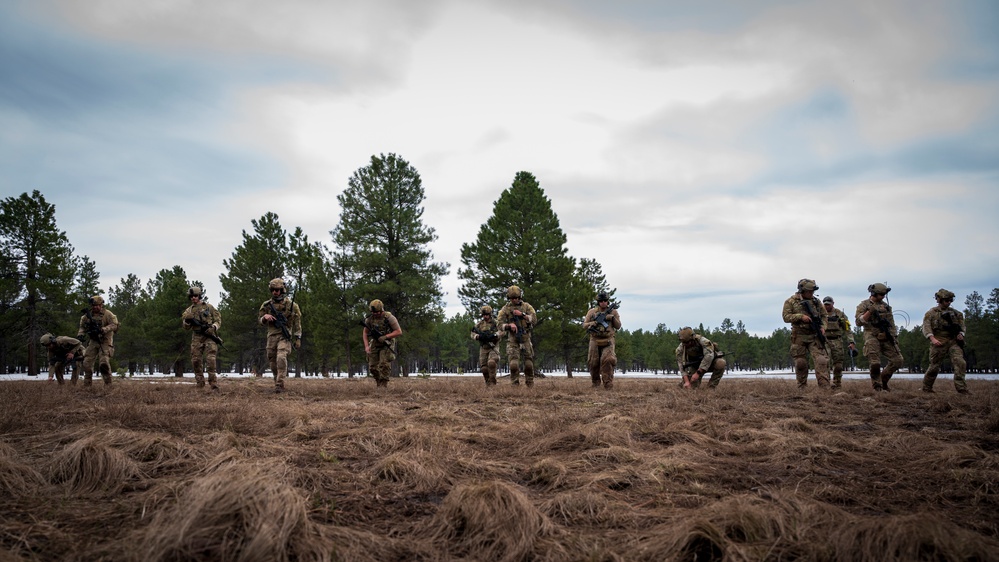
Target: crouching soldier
(486,332)
(63,350)
(696,356)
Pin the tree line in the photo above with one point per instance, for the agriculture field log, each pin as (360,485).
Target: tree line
(379,248)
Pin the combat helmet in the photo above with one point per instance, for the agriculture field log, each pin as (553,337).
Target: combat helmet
(194,291)
(602,296)
(828,299)
(514,292)
(878,289)
(277,283)
(96,300)
(686,334)
(944,294)
(47,339)
(485,310)
(807,285)
(376,306)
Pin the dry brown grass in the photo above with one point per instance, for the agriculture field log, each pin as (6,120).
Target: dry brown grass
(450,470)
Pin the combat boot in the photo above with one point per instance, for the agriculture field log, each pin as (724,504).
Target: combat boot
(876,377)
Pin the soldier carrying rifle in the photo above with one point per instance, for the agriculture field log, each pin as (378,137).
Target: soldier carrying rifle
(880,335)
(205,319)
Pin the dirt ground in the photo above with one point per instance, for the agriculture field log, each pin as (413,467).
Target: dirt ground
(447,469)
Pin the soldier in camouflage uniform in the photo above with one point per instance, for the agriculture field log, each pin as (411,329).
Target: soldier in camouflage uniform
(695,356)
(380,330)
(280,338)
(804,313)
(944,327)
(63,350)
(100,325)
(601,358)
(837,331)
(206,320)
(486,332)
(880,335)
(518,319)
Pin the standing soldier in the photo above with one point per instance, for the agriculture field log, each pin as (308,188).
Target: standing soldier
(486,332)
(837,328)
(518,319)
(100,325)
(204,342)
(380,330)
(601,322)
(695,356)
(805,314)
(283,319)
(880,335)
(944,327)
(63,350)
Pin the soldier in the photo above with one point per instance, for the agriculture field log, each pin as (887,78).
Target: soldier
(944,327)
(880,335)
(486,332)
(380,330)
(204,342)
(283,319)
(695,356)
(601,323)
(837,328)
(100,325)
(63,350)
(805,314)
(518,318)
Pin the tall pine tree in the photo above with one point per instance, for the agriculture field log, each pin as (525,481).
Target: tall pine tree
(382,241)
(40,257)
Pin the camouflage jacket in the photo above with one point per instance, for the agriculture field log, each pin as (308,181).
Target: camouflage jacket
(881,309)
(106,321)
(64,345)
(943,324)
(528,320)
(697,357)
(794,312)
(202,312)
(387,324)
(292,316)
(837,325)
(487,327)
(599,332)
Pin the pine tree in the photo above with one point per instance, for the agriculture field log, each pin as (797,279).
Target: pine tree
(522,244)
(128,301)
(40,257)
(383,243)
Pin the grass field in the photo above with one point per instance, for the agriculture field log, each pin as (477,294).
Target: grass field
(450,470)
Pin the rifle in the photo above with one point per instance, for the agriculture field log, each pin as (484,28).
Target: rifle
(601,318)
(203,329)
(486,337)
(280,321)
(883,326)
(518,320)
(374,334)
(951,327)
(813,317)
(93,326)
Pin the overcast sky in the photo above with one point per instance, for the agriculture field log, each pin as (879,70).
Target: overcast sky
(707,154)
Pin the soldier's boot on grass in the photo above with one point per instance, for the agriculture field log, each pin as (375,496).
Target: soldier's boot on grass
(876,377)
(106,374)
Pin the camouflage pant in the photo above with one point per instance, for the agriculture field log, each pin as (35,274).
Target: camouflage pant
(601,359)
(836,357)
(488,360)
(101,353)
(380,364)
(513,353)
(800,348)
(278,348)
(937,356)
(717,371)
(59,369)
(204,346)
(874,348)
